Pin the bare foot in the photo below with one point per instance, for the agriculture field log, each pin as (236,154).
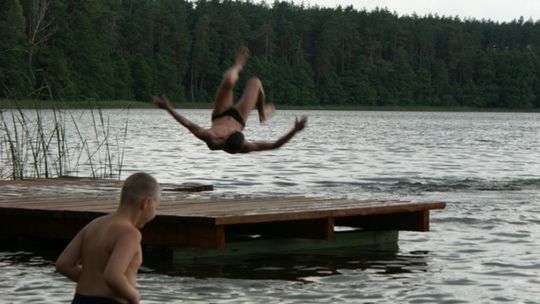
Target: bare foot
(231,75)
(241,58)
(269,110)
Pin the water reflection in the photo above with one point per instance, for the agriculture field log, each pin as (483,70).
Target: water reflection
(301,266)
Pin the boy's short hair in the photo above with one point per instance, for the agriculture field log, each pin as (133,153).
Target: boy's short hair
(138,186)
(234,143)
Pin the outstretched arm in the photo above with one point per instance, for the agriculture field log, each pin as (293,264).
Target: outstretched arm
(164,103)
(299,125)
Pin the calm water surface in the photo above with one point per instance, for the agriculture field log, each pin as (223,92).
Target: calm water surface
(483,248)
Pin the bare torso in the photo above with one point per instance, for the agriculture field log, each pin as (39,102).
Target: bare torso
(221,129)
(102,235)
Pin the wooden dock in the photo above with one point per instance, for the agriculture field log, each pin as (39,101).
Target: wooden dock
(58,208)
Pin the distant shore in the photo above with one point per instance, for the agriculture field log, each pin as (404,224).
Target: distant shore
(124,104)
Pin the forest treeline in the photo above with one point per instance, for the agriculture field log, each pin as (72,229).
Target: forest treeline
(131,49)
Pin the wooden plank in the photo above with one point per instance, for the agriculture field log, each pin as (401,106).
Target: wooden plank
(229,212)
(55,226)
(222,208)
(183,234)
(313,211)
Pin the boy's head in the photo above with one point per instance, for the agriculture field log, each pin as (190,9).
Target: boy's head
(234,143)
(141,192)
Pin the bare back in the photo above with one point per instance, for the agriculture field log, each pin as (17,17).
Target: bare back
(100,239)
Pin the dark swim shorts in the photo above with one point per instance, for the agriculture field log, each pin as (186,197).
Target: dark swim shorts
(82,299)
(232,112)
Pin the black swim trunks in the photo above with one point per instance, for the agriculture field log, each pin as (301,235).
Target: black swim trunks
(82,299)
(232,112)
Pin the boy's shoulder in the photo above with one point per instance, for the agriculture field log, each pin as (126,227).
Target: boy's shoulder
(123,229)
(113,226)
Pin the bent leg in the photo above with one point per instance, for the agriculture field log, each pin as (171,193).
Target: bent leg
(224,96)
(253,96)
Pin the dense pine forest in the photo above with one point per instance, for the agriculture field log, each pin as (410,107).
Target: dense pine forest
(131,49)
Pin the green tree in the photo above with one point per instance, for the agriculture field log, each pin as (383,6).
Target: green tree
(358,83)
(57,77)
(171,48)
(204,60)
(13,72)
(424,90)
(89,52)
(403,78)
(515,76)
(141,73)
(102,49)
(123,81)
(441,85)
(484,77)
(233,31)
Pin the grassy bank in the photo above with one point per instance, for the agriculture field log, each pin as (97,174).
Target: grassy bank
(123,104)
(87,104)
(402,108)
(91,104)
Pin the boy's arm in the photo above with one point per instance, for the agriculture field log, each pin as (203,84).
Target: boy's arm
(125,249)
(299,125)
(68,263)
(199,132)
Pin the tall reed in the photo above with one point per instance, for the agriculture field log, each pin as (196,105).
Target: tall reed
(40,147)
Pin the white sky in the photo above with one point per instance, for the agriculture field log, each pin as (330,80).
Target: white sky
(495,10)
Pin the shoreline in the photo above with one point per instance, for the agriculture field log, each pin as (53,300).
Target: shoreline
(127,104)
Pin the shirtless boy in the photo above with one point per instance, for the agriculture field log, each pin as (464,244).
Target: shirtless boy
(104,257)
(229,120)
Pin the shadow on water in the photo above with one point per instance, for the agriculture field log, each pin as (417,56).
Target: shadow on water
(294,266)
(289,266)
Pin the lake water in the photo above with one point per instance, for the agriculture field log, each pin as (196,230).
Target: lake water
(483,248)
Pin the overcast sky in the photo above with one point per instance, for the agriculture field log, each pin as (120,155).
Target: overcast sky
(496,10)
